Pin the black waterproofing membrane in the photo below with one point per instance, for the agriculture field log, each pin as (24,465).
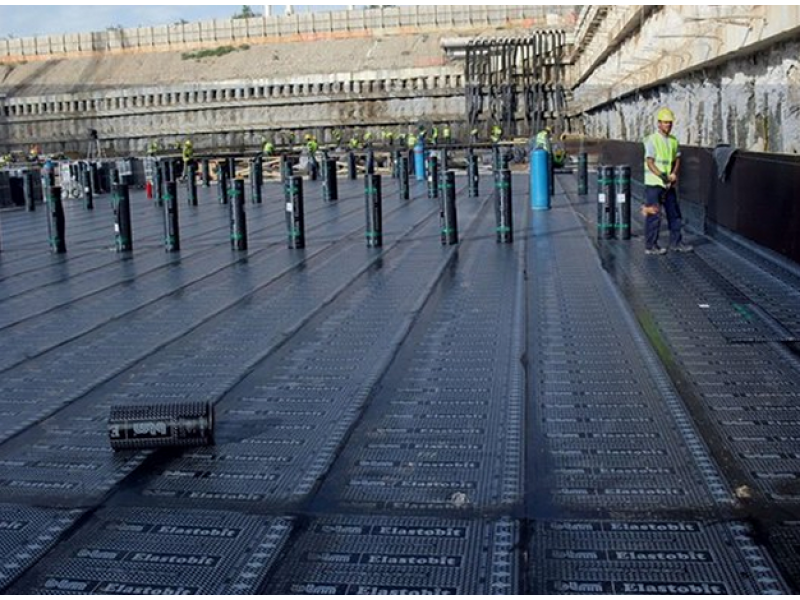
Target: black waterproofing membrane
(557,414)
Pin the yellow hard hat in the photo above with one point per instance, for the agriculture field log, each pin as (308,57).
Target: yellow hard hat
(666,115)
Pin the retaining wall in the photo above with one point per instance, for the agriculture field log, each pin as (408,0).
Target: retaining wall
(235,114)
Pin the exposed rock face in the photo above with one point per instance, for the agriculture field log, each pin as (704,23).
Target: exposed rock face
(751,103)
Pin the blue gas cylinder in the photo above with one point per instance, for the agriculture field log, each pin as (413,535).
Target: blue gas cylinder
(419,160)
(540,180)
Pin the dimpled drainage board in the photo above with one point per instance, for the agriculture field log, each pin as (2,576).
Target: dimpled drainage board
(33,466)
(785,540)
(444,430)
(378,555)
(651,557)
(26,534)
(147,551)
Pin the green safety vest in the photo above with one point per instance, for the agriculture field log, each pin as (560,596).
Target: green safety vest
(666,152)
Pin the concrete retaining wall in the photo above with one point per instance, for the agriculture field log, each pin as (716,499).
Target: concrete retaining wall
(234,114)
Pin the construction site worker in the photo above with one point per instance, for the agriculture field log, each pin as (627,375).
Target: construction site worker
(446,133)
(188,152)
(311,148)
(543,139)
(268,149)
(312,145)
(661,168)
(152,148)
(368,139)
(5,160)
(354,143)
(412,141)
(559,155)
(435,136)
(337,137)
(497,134)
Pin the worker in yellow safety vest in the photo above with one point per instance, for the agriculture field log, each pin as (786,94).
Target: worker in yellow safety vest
(543,139)
(188,151)
(497,134)
(559,155)
(661,168)
(446,134)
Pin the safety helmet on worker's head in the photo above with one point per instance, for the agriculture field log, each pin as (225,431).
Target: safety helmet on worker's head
(665,115)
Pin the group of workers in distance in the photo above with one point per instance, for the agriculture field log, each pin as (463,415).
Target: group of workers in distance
(661,167)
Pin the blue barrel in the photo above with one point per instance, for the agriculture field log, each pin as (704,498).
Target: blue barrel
(540,180)
(419,160)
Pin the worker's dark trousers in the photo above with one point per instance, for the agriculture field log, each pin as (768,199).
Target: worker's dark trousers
(667,202)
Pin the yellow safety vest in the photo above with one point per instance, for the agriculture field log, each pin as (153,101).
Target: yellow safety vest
(666,152)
